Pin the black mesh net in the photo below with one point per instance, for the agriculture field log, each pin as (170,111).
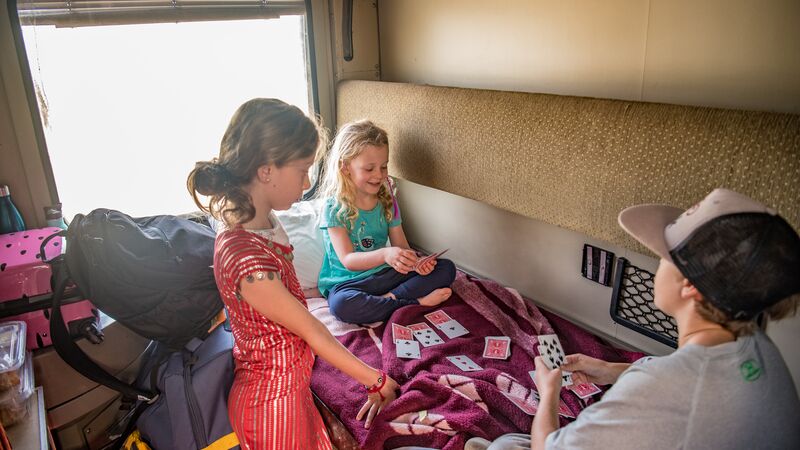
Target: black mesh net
(633,307)
(742,263)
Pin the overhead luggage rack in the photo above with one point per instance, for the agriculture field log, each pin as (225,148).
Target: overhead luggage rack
(632,305)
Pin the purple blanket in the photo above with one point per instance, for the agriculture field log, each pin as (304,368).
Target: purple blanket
(439,405)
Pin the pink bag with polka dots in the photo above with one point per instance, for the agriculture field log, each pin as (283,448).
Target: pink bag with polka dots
(23,273)
(26,291)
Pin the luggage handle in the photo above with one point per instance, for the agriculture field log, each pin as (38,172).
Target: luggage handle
(69,351)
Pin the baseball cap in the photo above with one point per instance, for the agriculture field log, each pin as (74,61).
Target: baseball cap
(740,254)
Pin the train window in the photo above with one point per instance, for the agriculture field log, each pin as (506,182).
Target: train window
(131,99)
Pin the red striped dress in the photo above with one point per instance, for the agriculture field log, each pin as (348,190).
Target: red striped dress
(270,404)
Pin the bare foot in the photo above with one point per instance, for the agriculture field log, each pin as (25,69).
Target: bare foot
(435,297)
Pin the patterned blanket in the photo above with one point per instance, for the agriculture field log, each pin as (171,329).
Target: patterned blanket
(440,406)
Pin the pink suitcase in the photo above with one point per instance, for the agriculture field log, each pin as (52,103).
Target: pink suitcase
(25,288)
(23,273)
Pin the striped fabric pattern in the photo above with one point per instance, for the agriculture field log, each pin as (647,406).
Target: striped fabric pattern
(270,404)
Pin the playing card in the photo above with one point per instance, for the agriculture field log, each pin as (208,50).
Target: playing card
(551,351)
(425,259)
(563,409)
(401,332)
(496,347)
(585,390)
(452,329)
(566,378)
(530,407)
(427,337)
(419,326)
(464,363)
(438,317)
(407,349)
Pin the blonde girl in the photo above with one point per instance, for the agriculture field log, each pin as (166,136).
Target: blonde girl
(263,165)
(364,279)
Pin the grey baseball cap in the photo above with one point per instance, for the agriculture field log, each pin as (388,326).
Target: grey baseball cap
(740,254)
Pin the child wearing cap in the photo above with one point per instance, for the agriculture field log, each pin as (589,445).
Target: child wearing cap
(724,262)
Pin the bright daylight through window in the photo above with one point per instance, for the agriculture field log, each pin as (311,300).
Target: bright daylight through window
(128,109)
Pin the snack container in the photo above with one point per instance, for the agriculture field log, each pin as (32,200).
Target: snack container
(12,353)
(14,404)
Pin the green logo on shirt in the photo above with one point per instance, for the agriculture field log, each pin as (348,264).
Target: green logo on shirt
(750,370)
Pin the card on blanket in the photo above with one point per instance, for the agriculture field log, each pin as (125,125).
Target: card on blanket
(497,347)
(408,349)
(401,332)
(453,329)
(419,326)
(528,408)
(438,317)
(464,363)
(427,337)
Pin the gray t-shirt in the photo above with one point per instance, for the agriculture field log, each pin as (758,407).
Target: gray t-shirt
(729,396)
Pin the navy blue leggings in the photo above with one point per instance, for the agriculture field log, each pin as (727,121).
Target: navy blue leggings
(360,301)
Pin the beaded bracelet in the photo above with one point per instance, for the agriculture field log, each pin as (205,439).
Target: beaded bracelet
(378,386)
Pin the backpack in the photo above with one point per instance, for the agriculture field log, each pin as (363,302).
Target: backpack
(193,384)
(154,275)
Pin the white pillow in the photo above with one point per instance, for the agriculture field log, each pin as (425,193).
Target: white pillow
(301,223)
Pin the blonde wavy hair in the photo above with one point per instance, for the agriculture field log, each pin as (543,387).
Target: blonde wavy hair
(351,140)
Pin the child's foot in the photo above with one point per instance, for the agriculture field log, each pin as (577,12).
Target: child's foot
(436,297)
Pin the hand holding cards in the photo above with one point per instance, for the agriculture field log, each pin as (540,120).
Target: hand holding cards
(424,260)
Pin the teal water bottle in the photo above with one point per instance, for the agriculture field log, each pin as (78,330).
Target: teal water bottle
(54,217)
(10,218)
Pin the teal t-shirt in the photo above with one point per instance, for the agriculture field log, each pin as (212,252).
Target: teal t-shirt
(370,232)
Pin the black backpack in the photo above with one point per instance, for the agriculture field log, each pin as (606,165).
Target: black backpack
(152,274)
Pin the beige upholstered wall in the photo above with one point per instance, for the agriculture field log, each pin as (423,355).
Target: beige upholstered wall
(742,54)
(738,54)
(572,161)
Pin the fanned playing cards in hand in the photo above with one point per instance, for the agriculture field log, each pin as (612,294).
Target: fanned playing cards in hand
(551,351)
(553,356)
(422,261)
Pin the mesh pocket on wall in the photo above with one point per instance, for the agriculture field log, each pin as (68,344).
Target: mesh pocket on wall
(632,305)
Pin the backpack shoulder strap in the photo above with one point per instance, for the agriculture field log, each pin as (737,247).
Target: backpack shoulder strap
(69,351)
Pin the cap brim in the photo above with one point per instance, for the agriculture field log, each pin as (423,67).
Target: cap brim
(646,223)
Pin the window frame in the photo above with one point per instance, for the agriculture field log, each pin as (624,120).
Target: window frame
(25,109)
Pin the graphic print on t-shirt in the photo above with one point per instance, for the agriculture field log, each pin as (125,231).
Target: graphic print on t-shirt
(367,242)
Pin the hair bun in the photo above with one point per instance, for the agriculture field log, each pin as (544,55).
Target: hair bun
(211,177)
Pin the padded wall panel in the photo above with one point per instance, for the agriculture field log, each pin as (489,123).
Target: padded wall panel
(574,161)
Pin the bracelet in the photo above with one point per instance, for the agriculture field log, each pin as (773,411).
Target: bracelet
(378,385)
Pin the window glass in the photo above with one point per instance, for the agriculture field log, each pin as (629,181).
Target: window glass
(128,109)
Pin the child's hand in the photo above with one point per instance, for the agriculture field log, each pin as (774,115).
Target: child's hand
(400,259)
(427,267)
(377,401)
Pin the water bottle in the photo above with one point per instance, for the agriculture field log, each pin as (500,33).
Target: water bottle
(54,216)
(10,218)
